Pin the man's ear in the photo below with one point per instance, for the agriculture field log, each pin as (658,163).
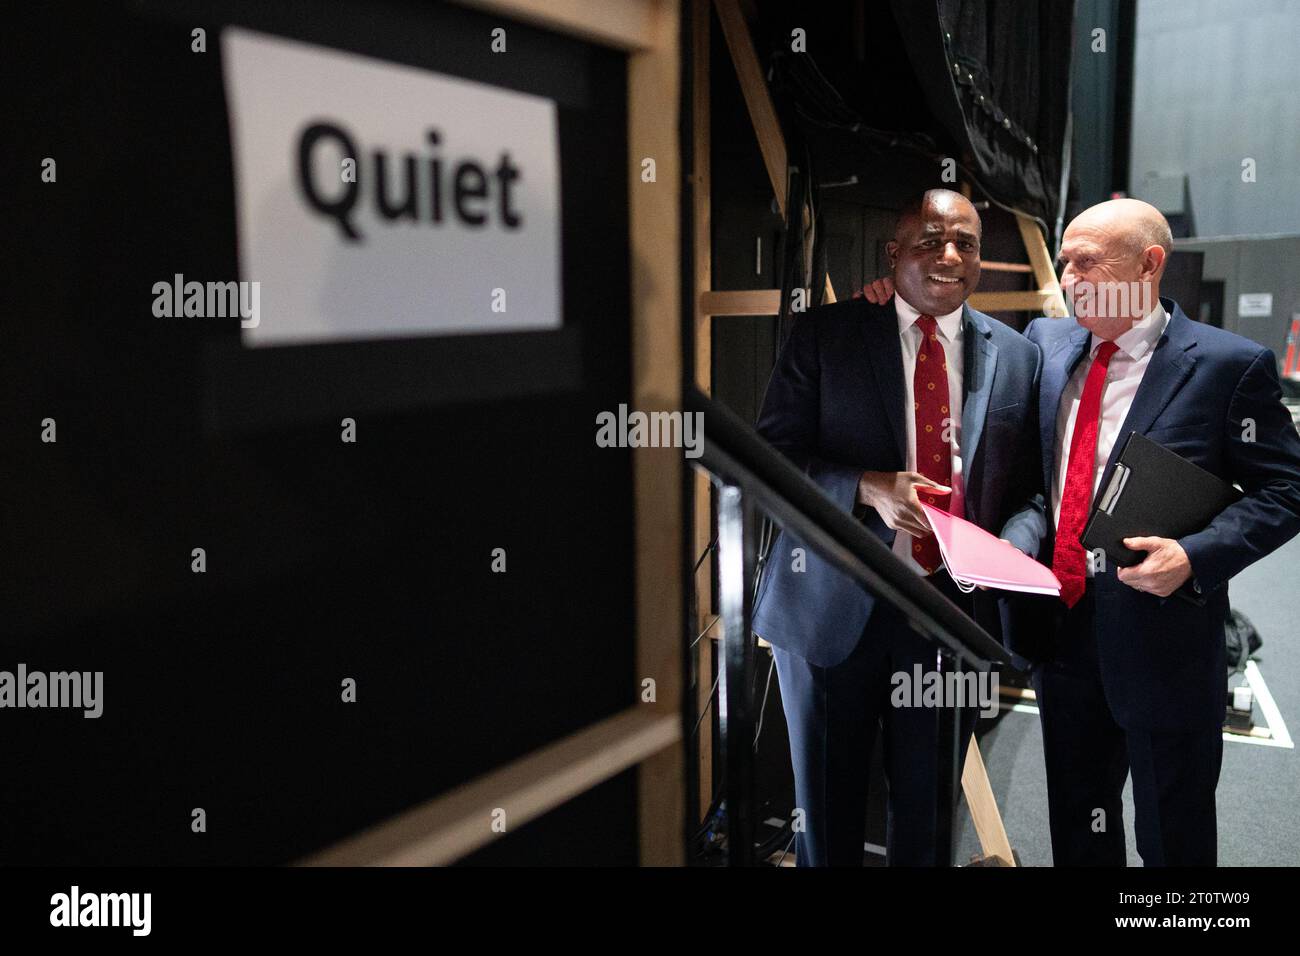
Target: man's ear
(891,250)
(1153,260)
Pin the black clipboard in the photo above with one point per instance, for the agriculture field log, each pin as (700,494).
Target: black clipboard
(1153,492)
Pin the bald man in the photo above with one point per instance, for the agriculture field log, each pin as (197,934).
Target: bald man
(884,406)
(1130,677)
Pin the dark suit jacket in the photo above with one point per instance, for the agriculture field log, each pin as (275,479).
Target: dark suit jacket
(834,406)
(1162,659)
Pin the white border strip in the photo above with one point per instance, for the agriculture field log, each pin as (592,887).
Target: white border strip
(1019,708)
(1268,707)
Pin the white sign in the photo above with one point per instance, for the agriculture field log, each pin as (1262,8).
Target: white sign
(1258,304)
(379,201)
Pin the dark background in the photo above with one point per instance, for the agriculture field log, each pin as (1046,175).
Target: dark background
(325,560)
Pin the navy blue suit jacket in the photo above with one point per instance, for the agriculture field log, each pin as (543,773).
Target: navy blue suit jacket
(834,406)
(1162,659)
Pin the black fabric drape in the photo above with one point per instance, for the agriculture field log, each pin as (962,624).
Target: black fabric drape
(985,82)
(996,75)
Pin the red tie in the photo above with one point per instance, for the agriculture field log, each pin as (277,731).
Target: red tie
(933,448)
(1068,559)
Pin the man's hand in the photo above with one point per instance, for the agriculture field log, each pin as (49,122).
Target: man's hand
(894,496)
(877,292)
(1164,569)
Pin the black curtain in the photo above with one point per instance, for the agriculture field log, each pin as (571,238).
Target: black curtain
(885,86)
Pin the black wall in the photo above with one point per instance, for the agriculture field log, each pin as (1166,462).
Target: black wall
(325,560)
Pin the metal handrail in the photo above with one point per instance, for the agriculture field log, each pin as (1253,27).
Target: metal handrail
(752,475)
(738,455)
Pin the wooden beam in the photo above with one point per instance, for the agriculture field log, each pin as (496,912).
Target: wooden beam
(702,518)
(629,25)
(1018,693)
(1006,266)
(1011,301)
(762,114)
(747,302)
(702,190)
(830,290)
(653,107)
(1041,262)
(1036,246)
(715,634)
(444,829)
(983,807)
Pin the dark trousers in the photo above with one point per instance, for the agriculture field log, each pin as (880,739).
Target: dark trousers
(834,714)
(1088,757)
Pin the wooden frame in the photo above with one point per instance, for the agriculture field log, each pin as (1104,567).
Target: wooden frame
(705,619)
(446,828)
(649,733)
(1047,299)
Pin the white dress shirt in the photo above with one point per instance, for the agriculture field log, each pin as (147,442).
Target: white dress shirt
(950,337)
(1123,376)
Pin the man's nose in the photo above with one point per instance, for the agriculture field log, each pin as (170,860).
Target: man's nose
(951,256)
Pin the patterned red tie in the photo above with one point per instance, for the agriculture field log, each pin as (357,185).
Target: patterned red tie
(933,447)
(1068,560)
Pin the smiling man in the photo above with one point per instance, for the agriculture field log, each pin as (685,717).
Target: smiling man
(1130,677)
(885,406)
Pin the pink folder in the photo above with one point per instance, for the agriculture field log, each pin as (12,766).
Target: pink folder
(975,557)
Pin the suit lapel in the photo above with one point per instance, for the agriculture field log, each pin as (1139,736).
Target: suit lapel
(885,353)
(1057,369)
(979,362)
(1168,370)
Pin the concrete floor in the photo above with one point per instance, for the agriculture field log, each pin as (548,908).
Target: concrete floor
(1259,788)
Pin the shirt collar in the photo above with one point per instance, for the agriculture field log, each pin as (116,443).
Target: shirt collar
(949,324)
(1137,341)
